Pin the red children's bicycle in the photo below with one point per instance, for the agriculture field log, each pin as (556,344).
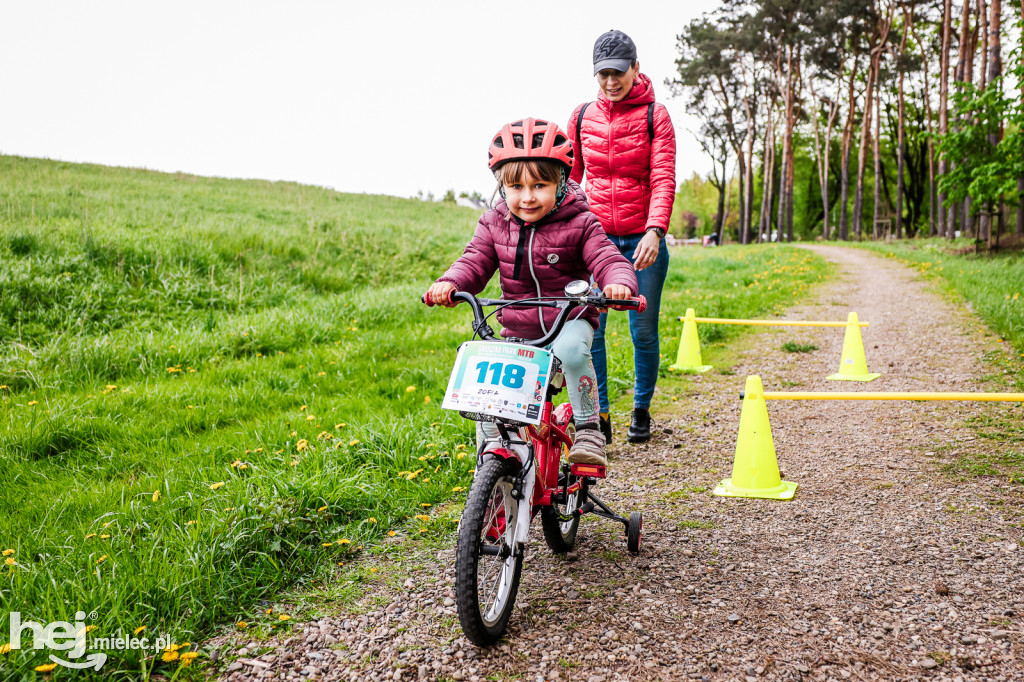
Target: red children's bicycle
(522,470)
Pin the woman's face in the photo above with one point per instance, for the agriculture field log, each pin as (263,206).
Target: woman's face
(616,84)
(531,198)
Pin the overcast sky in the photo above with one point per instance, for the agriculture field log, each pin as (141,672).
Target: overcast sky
(376,96)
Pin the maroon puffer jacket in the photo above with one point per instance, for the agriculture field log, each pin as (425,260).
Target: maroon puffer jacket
(539,259)
(631,181)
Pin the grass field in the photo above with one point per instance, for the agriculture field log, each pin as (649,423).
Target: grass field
(214,390)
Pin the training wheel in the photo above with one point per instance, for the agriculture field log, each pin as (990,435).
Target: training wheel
(633,532)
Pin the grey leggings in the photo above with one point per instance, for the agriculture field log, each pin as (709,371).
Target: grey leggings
(572,347)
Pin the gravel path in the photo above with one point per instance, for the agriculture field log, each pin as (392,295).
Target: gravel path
(881,568)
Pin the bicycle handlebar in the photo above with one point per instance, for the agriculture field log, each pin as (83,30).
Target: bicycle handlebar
(566,304)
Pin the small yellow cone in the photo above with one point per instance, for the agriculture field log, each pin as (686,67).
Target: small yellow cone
(689,359)
(755,470)
(853,366)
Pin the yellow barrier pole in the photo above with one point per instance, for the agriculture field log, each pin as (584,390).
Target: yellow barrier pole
(772,323)
(895,395)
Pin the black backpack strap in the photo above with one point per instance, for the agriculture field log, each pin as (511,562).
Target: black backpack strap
(579,127)
(650,123)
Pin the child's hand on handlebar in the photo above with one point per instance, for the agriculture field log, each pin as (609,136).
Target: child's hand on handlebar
(440,293)
(617,292)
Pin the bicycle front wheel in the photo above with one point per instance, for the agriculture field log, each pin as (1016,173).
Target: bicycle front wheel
(487,563)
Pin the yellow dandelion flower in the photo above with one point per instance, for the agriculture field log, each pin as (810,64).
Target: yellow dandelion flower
(437,468)
(190,523)
(461,455)
(354,442)
(156,495)
(138,629)
(215,486)
(270,611)
(324,435)
(344,541)
(186,659)
(422,517)
(310,418)
(227,509)
(7,552)
(425,505)
(426,480)
(90,535)
(460,446)
(458,489)
(104,537)
(293,433)
(5,649)
(284,616)
(340,426)
(169,656)
(10,562)
(237,461)
(303,408)
(172,370)
(423,530)
(48,667)
(258,450)
(392,533)
(410,389)
(294,462)
(242,624)
(320,374)
(302,445)
(101,559)
(426,399)
(90,628)
(371,520)
(320,509)
(107,523)
(422,458)
(188,407)
(374,569)
(33,402)
(327,544)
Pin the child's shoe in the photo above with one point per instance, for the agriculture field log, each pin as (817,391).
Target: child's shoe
(588,447)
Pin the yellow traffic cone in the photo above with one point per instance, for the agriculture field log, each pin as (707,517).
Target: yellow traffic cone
(853,366)
(689,359)
(755,470)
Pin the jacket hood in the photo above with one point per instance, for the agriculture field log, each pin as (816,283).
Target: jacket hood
(641,94)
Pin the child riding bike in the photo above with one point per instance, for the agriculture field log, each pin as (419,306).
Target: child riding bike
(539,237)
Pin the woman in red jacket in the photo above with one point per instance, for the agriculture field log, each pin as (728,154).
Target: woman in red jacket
(627,147)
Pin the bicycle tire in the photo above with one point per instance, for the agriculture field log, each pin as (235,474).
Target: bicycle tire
(487,567)
(559,535)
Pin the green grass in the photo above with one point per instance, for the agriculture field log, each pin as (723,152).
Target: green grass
(993,286)
(794,347)
(225,376)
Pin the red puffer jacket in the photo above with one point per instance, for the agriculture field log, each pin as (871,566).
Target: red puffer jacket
(631,180)
(539,259)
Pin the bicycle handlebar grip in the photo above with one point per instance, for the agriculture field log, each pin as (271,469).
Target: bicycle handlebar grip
(641,303)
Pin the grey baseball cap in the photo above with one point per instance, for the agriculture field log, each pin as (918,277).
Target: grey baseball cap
(614,50)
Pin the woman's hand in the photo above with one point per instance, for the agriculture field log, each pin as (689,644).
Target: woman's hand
(440,293)
(646,251)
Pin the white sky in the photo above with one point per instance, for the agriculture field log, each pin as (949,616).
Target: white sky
(384,97)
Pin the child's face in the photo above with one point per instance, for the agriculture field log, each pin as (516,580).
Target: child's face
(531,199)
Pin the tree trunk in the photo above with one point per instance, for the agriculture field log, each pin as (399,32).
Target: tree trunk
(767,178)
(847,143)
(876,149)
(944,226)
(900,141)
(995,69)
(865,135)
(985,219)
(931,147)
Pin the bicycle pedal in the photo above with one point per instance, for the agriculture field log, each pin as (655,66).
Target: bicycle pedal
(591,470)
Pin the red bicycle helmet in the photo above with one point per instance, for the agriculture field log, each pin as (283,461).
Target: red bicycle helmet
(529,138)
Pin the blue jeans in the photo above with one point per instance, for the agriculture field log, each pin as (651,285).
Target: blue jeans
(643,327)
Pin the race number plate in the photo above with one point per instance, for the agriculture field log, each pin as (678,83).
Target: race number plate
(506,380)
